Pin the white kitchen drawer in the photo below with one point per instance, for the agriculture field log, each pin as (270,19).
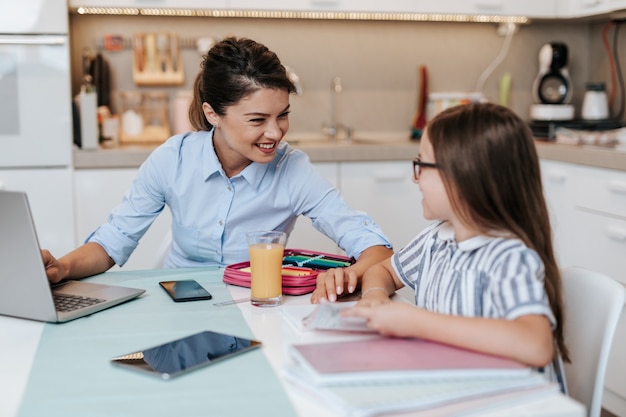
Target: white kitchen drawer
(600,244)
(602,190)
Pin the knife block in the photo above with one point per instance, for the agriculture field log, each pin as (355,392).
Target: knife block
(157,60)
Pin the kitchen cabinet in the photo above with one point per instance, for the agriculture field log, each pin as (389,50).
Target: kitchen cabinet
(145,4)
(532,8)
(529,8)
(324,5)
(589,205)
(385,190)
(304,235)
(51,203)
(538,9)
(560,190)
(97,192)
(585,8)
(600,221)
(588,212)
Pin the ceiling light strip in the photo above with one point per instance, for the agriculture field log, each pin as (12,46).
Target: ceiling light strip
(312,15)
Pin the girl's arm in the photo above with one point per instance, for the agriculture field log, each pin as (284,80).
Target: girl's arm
(379,283)
(527,339)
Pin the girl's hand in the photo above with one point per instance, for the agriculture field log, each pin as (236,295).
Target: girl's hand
(388,319)
(374,297)
(334,283)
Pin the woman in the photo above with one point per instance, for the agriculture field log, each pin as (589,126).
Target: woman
(231,176)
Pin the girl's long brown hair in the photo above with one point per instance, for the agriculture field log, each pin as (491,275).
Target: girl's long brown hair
(488,162)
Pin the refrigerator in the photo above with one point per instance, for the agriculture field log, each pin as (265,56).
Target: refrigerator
(36,115)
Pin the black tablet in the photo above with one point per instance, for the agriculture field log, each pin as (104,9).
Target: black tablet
(186,354)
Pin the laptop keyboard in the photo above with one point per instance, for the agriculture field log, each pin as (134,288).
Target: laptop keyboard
(67,302)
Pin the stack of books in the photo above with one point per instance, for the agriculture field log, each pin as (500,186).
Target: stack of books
(386,375)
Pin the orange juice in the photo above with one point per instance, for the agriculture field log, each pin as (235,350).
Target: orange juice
(266,260)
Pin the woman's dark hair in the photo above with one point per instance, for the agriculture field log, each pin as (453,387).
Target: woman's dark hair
(231,70)
(489,165)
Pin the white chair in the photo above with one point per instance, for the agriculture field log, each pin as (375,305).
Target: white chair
(593,305)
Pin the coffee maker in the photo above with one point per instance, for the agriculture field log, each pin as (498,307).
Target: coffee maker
(552,87)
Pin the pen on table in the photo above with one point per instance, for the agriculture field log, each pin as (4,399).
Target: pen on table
(310,261)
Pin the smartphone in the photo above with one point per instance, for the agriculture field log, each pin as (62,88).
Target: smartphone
(185,290)
(186,354)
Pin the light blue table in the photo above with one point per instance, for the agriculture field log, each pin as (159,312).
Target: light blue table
(72,374)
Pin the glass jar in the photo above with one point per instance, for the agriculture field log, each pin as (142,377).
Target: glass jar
(132,113)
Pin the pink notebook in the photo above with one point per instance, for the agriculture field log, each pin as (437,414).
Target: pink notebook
(397,359)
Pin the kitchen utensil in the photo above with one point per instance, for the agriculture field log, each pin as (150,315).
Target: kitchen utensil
(163,50)
(151,52)
(138,52)
(174,52)
(505,89)
(419,122)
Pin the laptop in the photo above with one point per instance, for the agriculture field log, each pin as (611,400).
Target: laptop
(24,288)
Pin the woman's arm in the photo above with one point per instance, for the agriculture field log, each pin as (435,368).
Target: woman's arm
(527,339)
(343,281)
(86,260)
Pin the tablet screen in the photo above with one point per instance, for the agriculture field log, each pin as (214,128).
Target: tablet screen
(182,355)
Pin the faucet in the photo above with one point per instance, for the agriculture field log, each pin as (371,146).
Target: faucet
(335,127)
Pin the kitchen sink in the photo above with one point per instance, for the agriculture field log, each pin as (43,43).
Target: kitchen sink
(365,138)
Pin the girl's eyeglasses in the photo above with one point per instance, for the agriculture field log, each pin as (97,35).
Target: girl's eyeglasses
(418,165)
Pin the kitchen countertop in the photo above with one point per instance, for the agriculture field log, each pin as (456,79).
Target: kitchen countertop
(384,150)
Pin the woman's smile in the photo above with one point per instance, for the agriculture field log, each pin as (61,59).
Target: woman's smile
(267,147)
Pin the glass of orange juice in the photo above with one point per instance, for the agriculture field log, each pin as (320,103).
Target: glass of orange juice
(266,250)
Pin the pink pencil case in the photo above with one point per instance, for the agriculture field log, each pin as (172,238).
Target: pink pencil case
(298,278)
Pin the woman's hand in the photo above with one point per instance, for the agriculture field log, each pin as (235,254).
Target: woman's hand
(84,261)
(334,283)
(337,282)
(54,269)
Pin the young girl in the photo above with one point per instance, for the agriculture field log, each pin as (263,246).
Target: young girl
(231,175)
(484,275)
